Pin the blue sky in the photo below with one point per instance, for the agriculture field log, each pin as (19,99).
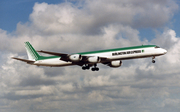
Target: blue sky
(70,26)
(13,12)
(176,21)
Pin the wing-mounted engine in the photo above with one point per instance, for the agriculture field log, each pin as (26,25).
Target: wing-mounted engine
(94,59)
(75,57)
(117,63)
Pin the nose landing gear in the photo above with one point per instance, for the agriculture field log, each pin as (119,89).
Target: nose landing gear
(153,59)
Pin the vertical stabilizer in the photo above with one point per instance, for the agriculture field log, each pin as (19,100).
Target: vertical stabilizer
(32,54)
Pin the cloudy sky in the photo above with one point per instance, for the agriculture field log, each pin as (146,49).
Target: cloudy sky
(83,25)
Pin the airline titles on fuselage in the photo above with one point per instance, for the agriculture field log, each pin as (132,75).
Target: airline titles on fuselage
(127,52)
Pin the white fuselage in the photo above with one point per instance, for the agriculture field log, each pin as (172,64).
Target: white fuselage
(110,55)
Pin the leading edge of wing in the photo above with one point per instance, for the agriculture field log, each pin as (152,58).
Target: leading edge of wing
(54,53)
(24,60)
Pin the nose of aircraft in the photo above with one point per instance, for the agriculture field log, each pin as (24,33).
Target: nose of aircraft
(165,51)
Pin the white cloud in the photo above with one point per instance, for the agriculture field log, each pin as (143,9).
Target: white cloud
(171,103)
(136,86)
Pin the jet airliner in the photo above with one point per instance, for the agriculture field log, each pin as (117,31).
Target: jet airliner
(87,60)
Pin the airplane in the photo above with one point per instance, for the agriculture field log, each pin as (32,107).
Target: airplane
(87,60)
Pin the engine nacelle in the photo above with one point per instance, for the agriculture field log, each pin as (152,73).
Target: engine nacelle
(117,63)
(75,57)
(93,59)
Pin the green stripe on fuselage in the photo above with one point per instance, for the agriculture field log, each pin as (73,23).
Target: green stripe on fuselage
(116,49)
(48,57)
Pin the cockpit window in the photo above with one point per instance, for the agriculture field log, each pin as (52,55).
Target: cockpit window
(157,47)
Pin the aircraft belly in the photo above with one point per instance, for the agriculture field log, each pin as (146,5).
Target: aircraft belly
(52,62)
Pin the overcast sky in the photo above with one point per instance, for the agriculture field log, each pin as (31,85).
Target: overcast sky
(71,26)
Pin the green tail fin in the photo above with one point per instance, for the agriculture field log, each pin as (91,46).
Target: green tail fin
(32,54)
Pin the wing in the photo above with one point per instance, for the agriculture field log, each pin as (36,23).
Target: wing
(24,60)
(65,57)
(54,53)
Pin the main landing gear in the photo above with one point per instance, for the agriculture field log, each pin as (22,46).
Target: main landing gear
(95,68)
(87,67)
(153,59)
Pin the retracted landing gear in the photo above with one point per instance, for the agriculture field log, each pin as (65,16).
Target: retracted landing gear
(153,59)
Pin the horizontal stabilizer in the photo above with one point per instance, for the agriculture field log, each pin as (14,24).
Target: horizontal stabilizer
(24,60)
